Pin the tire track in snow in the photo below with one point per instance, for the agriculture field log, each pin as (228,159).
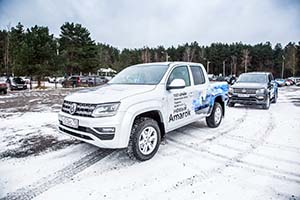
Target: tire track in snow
(232,161)
(235,125)
(269,145)
(63,175)
(261,155)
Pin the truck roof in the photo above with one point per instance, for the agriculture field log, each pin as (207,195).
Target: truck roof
(257,73)
(168,63)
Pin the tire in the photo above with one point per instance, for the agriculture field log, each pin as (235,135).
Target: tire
(215,118)
(266,106)
(230,104)
(274,100)
(5,91)
(138,141)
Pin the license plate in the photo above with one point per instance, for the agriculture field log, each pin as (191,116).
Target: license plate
(69,121)
(243,95)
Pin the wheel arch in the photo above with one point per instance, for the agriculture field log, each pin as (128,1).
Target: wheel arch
(153,114)
(220,99)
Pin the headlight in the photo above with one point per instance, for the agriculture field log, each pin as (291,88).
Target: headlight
(106,110)
(260,91)
(230,90)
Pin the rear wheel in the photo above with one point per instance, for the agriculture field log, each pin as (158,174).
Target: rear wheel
(144,139)
(216,116)
(5,91)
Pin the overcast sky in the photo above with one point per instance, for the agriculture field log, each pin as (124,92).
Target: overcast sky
(138,23)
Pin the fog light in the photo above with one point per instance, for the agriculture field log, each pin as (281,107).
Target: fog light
(260,97)
(106,129)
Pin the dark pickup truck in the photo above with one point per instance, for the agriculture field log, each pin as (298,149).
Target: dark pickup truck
(254,88)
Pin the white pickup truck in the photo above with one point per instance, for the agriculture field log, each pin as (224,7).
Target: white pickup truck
(141,104)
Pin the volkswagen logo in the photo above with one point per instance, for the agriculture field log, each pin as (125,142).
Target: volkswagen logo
(244,91)
(73,108)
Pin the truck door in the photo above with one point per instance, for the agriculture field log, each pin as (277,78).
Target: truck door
(200,99)
(179,111)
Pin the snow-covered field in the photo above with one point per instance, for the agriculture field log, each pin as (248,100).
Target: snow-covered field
(254,154)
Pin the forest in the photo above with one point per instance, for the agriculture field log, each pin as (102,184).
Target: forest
(36,52)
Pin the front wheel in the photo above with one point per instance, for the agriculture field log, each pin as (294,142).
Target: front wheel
(230,104)
(266,106)
(215,118)
(274,100)
(144,139)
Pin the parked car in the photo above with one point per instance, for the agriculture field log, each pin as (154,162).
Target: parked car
(231,79)
(295,79)
(54,79)
(289,82)
(141,104)
(280,82)
(51,79)
(3,85)
(254,88)
(26,79)
(16,83)
(60,79)
(71,81)
(96,80)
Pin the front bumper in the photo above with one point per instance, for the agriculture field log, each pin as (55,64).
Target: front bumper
(252,99)
(89,130)
(18,87)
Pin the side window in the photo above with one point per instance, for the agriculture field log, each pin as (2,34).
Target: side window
(269,76)
(180,72)
(198,75)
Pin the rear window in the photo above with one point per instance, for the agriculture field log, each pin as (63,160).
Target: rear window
(198,75)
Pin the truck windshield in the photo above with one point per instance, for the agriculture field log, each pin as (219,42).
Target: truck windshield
(252,78)
(140,75)
(18,81)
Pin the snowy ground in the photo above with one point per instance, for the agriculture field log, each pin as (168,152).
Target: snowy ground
(254,154)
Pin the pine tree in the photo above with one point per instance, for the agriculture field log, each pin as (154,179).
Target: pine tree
(77,48)
(38,52)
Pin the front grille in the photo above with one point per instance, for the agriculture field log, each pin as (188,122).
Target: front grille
(248,99)
(244,90)
(82,109)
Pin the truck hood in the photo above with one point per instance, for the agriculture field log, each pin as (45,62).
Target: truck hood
(108,93)
(249,85)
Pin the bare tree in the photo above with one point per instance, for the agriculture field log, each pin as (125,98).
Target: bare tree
(233,65)
(6,50)
(156,57)
(146,56)
(246,58)
(189,54)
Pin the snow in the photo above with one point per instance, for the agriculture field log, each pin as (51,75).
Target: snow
(254,154)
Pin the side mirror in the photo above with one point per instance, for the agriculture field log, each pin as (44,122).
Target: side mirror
(176,84)
(271,83)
